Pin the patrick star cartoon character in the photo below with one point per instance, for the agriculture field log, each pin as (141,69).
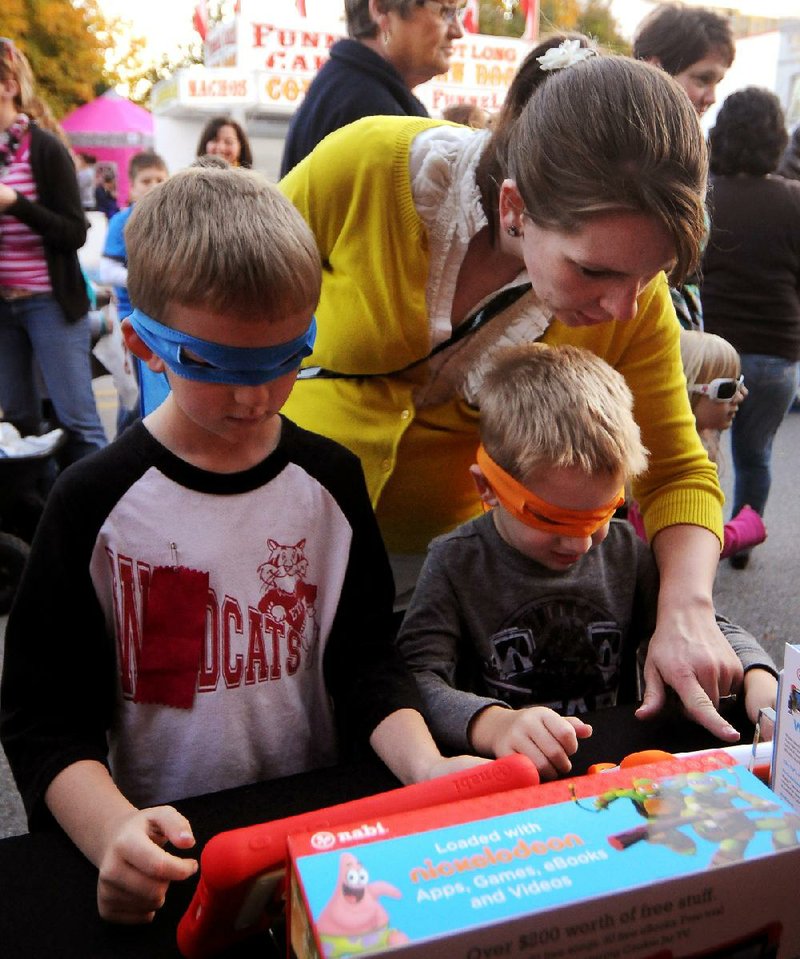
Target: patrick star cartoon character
(353,922)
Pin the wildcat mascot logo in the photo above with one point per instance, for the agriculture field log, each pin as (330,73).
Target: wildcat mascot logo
(287,599)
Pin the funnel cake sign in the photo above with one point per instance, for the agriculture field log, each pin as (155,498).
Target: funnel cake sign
(284,54)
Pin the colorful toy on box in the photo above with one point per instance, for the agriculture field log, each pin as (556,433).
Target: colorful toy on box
(689,857)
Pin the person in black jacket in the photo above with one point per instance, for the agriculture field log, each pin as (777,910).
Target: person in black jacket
(789,166)
(751,279)
(43,297)
(393,46)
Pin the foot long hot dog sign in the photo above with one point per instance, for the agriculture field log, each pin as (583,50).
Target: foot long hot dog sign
(267,56)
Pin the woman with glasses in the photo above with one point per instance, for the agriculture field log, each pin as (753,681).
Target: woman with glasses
(392,47)
(441,243)
(751,279)
(43,299)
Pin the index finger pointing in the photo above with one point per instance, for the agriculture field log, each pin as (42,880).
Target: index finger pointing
(700,708)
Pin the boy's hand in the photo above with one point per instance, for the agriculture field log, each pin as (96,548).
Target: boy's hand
(404,742)
(453,764)
(537,732)
(760,691)
(135,871)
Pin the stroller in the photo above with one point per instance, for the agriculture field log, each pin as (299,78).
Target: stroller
(25,478)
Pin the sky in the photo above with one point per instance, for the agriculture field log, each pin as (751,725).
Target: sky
(164,25)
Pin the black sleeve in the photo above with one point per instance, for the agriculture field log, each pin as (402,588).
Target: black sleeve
(643,621)
(364,672)
(58,683)
(58,216)
(330,114)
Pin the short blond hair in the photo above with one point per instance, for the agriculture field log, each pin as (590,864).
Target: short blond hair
(545,407)
(224,239)
(706,357)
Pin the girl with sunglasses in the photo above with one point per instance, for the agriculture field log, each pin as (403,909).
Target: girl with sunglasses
(715,384)
(716,390)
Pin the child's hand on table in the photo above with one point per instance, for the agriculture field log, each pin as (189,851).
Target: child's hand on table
(537,732)
(445,765)
(135,870)
(760,691)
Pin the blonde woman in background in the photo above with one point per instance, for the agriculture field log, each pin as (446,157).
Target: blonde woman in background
(43,298)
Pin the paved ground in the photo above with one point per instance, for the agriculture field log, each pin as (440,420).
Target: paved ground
(763,598)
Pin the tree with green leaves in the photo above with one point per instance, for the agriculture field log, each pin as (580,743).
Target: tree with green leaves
(592,17)
(69,46)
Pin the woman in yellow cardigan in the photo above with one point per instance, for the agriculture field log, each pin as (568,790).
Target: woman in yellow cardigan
(591,196)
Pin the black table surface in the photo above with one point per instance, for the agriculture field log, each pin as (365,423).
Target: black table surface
(47,888)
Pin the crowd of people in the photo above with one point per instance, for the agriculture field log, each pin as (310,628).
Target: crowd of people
(440,372)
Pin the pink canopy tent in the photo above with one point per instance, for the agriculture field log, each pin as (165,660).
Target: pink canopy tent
(113,129)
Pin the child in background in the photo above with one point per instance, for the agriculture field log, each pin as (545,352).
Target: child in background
(105,193)
(84,167)
(226,568)
(535,612)
(145,171)
(468,114)
(716,390)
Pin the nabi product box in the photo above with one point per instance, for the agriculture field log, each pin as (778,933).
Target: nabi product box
(694,857)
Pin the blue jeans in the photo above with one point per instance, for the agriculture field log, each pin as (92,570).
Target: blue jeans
(772,385)
(34,332)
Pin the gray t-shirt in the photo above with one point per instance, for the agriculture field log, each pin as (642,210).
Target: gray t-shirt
(487,625)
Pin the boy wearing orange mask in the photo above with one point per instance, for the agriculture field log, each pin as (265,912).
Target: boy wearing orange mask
(534,613)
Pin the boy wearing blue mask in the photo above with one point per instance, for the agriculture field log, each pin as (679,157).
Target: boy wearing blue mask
(232,592)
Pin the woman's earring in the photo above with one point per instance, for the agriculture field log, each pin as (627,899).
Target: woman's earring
(513,231)
(386,38)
